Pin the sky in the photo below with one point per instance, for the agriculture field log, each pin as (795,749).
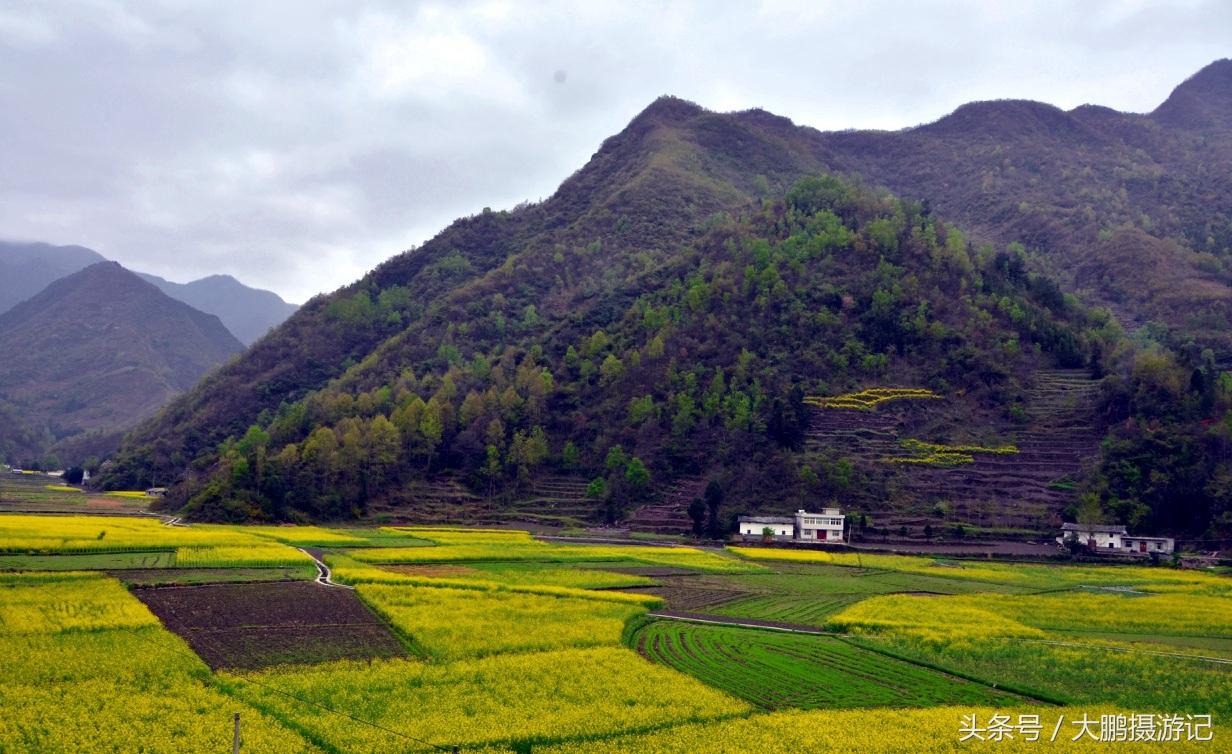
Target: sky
(296,144)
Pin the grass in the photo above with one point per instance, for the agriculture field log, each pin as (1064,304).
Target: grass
(775,670)
(88,562)
(188,576)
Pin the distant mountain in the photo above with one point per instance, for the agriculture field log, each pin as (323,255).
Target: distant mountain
(249,313)
(98,351)
(27,268)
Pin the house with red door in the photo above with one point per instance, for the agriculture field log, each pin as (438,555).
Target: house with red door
(1114,539)
(826,526)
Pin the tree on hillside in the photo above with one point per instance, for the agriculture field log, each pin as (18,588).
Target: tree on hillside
(713,497)
(697,512)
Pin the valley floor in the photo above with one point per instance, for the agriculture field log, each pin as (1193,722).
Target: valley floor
(123,629)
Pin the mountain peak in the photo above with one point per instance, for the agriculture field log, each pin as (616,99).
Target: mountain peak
(1202,101)
(669,109)
(1006,117)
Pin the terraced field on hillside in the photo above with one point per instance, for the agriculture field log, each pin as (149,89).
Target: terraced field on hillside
(1009,493)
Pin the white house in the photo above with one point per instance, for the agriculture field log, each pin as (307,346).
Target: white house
(1147,545)
(826,526)
(1094,536)
(783,527)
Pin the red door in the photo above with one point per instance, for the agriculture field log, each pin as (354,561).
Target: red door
(1142,547)
(821,533)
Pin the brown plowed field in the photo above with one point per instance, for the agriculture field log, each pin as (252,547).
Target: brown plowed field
(260,625)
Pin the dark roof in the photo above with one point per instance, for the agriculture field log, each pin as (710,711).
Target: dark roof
(767,520)
(1104,528)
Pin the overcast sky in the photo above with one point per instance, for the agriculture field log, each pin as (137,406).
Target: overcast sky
(295,144)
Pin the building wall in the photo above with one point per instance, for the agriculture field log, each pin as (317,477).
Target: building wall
(1153,544)
(780,530)
(1103,540)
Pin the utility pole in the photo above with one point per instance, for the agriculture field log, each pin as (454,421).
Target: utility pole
(235,740)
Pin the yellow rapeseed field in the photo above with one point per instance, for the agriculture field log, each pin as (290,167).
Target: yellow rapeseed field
(35,604)
(72,534)
(933,618)
(265,555)
(885,731)
(454,623)
(531,697)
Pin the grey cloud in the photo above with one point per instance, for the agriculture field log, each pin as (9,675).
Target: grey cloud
(297,144)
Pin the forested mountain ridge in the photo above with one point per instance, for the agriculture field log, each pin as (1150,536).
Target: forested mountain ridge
(685,362)
(1125,210)
(96,352)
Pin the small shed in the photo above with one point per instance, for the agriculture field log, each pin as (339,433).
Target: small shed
(1148,545)
(781,526)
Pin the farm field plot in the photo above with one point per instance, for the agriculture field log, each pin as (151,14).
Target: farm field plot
(259,625)
(187,576)
(776,670)
(679,594)
(522,700)
(547,574)
(88,562)
(809,611)
(457,623)
(41,493)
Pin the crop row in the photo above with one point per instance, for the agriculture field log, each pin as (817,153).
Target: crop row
(787,608)
(779,670)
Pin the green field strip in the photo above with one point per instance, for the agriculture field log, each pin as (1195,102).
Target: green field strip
(778,670)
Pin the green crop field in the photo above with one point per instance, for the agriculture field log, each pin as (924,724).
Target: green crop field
(776,670)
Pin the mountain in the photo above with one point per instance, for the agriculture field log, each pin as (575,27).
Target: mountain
(27,268)
(678,297)
(247,312)
(98,351)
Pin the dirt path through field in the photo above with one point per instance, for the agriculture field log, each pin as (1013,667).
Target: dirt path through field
(324,575)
